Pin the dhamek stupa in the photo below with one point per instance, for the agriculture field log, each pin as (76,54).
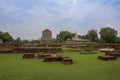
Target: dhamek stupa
(46,35)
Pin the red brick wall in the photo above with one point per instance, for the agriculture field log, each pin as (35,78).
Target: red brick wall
(46,35)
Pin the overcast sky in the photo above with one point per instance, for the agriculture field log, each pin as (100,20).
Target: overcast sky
(28,18)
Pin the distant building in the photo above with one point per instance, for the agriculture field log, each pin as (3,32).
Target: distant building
(46,35)
(76,39)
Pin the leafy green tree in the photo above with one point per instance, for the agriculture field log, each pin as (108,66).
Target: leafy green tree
(34,41)
(25,41)
(18,40)
(108,35)
(7,37)
(64,36)
(83,36)
(1,35)
(118,40)
(92,35)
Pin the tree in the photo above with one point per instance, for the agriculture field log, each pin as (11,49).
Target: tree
(6,37)
(1,35)
(18,40)
(34,41)
(92,35)
(64,36)
(118,40)
(108,35)
(83,36)
(25,41)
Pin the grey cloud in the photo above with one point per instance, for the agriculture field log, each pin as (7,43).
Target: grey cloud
(72,15)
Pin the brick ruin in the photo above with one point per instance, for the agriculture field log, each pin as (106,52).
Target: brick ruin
(52,48)
(30,48)
(46,36)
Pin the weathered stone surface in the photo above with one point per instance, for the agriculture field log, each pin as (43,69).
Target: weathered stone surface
(67,60)
(46,35)
(40,55)
(28,55)
(107,58)
(52,57)
(58,57)
(115,54)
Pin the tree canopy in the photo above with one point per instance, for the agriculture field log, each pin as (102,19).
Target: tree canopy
(118,40)
(6,37)
(108,35)
(92,35)
(64,36)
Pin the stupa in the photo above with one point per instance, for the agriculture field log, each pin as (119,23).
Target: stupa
(46,35)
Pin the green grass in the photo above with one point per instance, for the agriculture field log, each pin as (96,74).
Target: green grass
(72,50)
(85,67)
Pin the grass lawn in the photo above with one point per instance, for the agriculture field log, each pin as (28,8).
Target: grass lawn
(85,67)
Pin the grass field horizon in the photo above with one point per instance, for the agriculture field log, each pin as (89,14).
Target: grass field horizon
(84,67)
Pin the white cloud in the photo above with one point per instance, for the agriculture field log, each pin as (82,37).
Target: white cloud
(57,15)
(74,2)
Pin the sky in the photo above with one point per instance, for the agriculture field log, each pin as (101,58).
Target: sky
(28,18)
